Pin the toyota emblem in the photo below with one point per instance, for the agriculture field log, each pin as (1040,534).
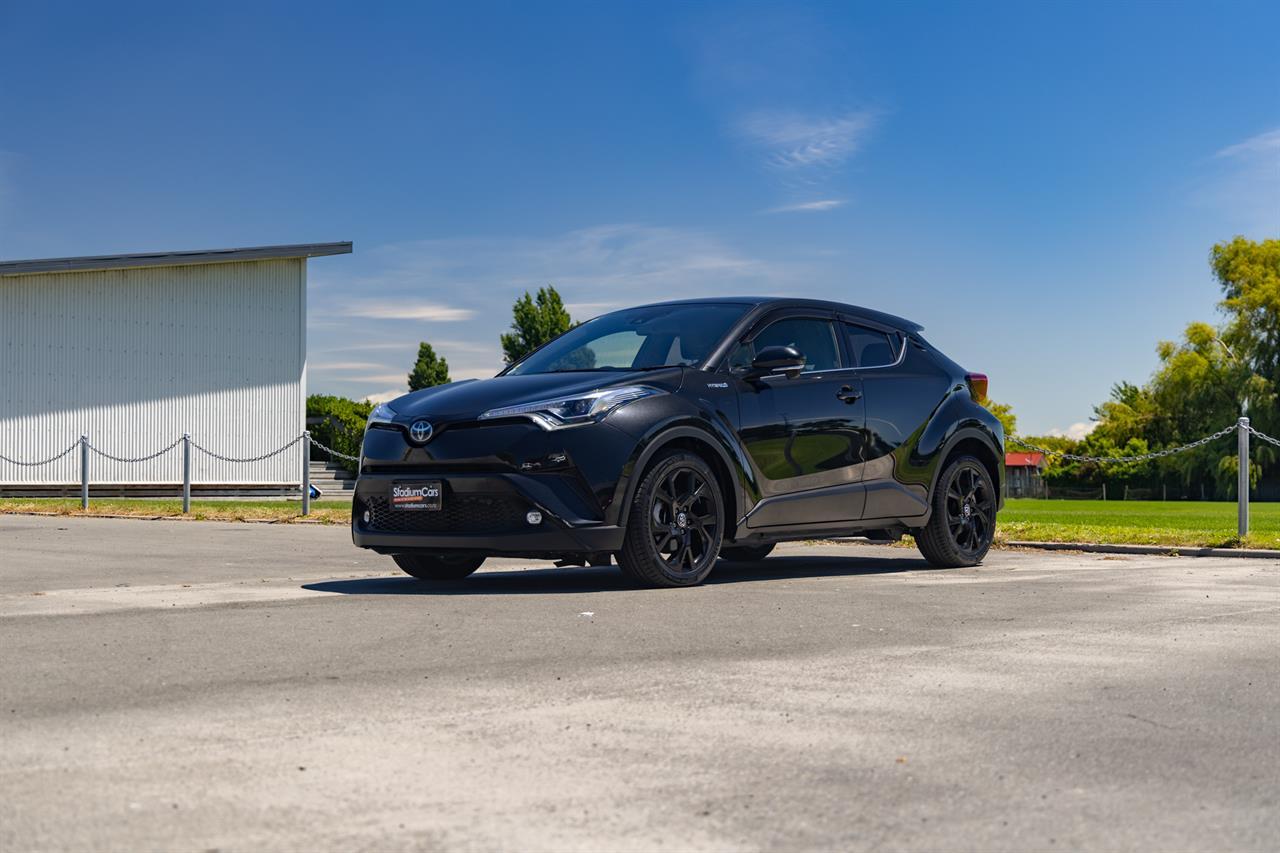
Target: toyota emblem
(420,432)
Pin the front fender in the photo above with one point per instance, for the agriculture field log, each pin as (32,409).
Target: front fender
(704,428)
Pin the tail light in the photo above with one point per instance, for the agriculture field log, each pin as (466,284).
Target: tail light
(977,383)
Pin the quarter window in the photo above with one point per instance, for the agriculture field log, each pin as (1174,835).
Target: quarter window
(870,348)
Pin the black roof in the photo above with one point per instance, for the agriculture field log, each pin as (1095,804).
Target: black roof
(796,302)
(173,259)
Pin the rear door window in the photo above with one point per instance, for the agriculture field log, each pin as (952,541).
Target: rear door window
(869,347)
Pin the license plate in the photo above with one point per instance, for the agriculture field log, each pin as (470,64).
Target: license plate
(418,496)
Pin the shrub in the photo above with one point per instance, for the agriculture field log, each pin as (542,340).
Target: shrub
(338,423)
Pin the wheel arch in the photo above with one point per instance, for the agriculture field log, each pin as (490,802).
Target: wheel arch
(698,441)
(973,442)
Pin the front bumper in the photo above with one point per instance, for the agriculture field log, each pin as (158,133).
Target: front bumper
(491,477)
(480,512)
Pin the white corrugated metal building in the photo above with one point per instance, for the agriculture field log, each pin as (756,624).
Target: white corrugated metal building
(135,350)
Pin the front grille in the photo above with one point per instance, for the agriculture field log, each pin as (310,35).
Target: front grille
(460,514)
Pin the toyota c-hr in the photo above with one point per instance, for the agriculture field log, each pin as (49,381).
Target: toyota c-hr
(670,435)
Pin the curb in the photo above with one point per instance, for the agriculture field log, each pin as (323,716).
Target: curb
(1159,550)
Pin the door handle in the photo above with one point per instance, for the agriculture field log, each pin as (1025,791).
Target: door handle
(849,395)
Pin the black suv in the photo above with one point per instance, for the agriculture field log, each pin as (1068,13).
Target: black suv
(672,434)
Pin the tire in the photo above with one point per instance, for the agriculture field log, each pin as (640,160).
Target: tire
(963,521)
(438,567)
(745,553)
(675,524)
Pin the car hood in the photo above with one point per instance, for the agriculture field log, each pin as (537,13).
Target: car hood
(468,399)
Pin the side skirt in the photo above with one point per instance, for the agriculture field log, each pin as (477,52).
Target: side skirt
(891,509)
(875,528)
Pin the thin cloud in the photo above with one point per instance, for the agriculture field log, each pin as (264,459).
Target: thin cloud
(808,206)
(1076,431)
(409,311)
(1263,143)
(367,346)
(792,141)
(1242,181)
(585,310)
(770,73)
(380,378)
(471,283)
(387,395)
(346,365)
(461,346)
(474,373)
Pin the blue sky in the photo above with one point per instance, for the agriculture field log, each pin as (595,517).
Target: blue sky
(1038,184)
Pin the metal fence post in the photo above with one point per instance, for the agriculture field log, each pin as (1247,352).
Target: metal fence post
(84,472)
(186,473)
(1242,475)
(306,472)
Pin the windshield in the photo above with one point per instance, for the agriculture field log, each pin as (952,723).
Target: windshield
(637,339)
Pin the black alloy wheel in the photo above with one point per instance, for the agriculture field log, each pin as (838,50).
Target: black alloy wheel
(683,522)
(676,523)
(963,523)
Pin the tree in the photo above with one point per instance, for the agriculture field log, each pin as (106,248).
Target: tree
(1057,470)
(1249,275)
(428,370)
(536,320)
(1194,392)
(1206,380)
(1004,413)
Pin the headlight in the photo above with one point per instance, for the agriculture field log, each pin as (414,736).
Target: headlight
(576,410)
(382,414)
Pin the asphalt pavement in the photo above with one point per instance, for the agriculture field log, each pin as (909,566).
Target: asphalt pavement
(199,686)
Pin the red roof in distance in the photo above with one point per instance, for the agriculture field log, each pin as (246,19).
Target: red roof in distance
(1023,460)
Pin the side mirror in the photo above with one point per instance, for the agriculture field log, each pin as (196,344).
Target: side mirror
(773,360)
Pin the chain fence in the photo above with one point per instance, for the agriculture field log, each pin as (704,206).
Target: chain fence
(130,460)
(248,459)
(333,454)
(87,447)
(1145,457)
(1262,435)
(37,464)
(1242,428)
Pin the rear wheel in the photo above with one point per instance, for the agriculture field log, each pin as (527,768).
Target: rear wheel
(963,522)
(438,567)
(675,524)
(745,553)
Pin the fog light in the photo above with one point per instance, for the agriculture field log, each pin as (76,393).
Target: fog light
(533,517)
(366,516)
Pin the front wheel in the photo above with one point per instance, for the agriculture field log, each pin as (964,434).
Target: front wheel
(963,521)
(438,567)
(675,523)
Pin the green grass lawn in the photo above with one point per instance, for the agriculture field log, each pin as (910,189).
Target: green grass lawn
(1138,522)
(334,513)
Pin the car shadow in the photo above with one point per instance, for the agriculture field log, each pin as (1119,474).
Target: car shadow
(605,578)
